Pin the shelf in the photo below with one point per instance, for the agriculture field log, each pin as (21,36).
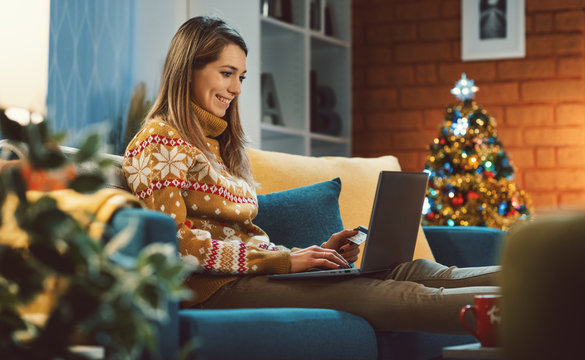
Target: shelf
(330,138)
(334,20)
(296,13)
(320,147)
(274,26)
(329,39)
(331,64)
(283,56)
(309,68)
(282,129)
(278,24)
(283,141)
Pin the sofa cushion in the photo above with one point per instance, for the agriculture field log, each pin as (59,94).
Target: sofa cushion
(275,171)
(465,246)
(277,333)
(302,216)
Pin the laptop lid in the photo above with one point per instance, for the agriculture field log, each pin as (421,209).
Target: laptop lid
(395,220)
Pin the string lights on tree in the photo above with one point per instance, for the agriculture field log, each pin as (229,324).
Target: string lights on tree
(471,180)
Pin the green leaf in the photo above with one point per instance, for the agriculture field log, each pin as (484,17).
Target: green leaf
(86,250)
(149,293)
(59,137)
(122,238)
(189,348)
(11,129)
(14,267)
(10,319)
(42,156)
(48,223)
(152,300)
(148,337)
(174,272)
(88,183)
(106,163)
(155,260)
(8,297)
(12,181)
(88,149)
(52,258)
(2,199)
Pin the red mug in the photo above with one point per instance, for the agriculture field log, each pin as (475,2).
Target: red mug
(487,312)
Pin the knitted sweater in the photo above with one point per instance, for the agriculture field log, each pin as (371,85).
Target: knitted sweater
(213,209)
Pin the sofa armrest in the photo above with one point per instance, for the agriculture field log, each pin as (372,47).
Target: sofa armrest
(465,246)
(152,226)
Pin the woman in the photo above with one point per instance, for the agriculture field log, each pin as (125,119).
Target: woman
(189,161)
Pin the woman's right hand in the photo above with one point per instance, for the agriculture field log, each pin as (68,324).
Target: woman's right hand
(316,257)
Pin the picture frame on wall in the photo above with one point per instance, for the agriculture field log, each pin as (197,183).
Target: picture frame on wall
(492,29)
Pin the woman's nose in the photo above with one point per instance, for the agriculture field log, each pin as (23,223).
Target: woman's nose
(235,87)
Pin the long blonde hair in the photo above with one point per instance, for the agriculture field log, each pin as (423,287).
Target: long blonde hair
(198,42)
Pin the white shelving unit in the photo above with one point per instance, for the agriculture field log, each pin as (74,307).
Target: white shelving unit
(290,51)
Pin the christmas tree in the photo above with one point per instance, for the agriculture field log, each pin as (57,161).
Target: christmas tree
(470,176)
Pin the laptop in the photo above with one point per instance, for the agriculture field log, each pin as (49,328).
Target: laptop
(393,228)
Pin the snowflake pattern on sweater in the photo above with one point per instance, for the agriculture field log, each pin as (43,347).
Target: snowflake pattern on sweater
(212,209)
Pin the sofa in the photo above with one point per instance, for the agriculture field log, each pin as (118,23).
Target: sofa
(297,333)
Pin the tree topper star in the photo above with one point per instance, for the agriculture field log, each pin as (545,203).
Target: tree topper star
(464,89)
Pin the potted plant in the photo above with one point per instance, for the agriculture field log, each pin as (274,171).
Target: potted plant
(49,253)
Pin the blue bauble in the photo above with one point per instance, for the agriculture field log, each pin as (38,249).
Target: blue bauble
(503,208)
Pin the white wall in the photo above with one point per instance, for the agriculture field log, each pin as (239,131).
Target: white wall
(24,58)
(155,24)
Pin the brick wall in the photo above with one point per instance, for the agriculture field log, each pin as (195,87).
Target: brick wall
(406,58)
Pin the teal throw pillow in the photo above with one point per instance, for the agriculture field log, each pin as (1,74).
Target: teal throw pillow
(303,216)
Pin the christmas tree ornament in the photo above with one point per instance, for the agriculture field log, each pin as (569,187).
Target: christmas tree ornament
(464,89)
(471,180)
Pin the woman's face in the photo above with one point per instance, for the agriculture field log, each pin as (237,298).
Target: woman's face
(219,82)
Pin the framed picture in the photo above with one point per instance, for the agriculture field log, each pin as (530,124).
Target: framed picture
(492,29)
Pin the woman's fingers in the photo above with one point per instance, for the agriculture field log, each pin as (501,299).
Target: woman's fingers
(331,255)
(344,234)
(316,256)
(326,264)
(350,252)
(350,246)
(339,239)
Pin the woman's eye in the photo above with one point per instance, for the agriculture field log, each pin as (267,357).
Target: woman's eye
(226,74)
(242,78)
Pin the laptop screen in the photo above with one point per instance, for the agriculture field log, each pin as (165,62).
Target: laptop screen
(395,219)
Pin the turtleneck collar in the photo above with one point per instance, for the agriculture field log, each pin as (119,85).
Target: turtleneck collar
(211,125)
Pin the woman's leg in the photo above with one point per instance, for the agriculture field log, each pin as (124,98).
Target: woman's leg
(432,274)
(388,304)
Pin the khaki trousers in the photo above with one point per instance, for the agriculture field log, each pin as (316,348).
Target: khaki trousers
(421,295)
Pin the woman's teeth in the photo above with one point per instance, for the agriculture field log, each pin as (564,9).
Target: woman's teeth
(223,100)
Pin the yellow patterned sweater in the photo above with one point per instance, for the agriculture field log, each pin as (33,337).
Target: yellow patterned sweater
(213,210)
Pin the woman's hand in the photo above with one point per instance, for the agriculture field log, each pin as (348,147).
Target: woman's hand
(315,256)
(343,246)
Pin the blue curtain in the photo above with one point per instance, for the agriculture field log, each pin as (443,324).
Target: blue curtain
(90,59)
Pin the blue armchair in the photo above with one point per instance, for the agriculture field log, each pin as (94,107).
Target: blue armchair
(303,333)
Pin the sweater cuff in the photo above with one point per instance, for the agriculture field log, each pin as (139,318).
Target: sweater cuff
(278,262)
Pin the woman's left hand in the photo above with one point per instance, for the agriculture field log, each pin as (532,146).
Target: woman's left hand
(343,246)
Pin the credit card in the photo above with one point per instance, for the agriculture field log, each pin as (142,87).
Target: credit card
(360,237)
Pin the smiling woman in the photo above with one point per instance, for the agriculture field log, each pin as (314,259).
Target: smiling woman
(189,159)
